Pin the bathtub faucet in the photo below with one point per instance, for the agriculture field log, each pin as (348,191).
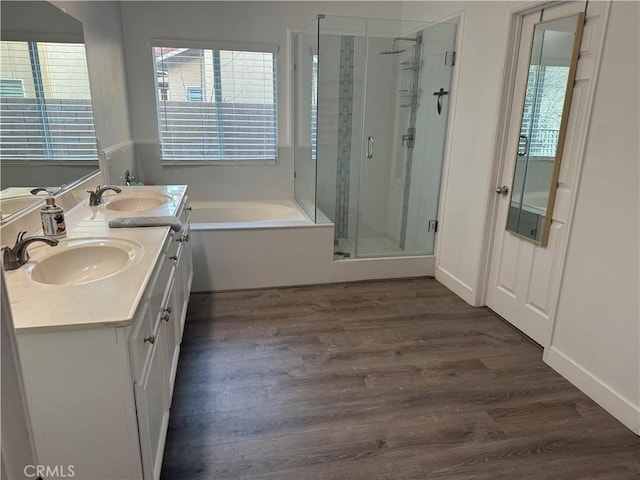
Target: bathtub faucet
(128,178)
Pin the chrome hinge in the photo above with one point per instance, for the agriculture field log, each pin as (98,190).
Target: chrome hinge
(450,58)
(433,226)
(409,139)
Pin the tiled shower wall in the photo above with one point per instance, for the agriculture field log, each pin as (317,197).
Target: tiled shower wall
(345,116)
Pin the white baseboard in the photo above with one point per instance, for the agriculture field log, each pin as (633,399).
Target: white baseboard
(456,285)
(381,268)
(601,393)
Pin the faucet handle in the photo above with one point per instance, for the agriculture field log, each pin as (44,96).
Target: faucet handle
(20,237)
(9,259)
(14,250)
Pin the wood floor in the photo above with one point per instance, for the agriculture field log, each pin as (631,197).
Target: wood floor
(378,380)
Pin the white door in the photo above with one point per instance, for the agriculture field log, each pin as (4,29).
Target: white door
(524,276)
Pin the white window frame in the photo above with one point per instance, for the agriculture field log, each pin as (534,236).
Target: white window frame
(216,45)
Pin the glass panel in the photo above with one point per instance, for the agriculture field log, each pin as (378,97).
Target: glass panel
(545,112)
(341,80)
(382,91)
(305,125)
(405,123)
(423,181)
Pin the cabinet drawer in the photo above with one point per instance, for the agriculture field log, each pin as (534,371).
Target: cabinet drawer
(158,292)
(151,309)
(184,211)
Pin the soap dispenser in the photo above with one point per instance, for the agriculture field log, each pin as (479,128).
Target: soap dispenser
(52,216)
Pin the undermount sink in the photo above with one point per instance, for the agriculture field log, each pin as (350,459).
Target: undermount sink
(78,261)
(135,202)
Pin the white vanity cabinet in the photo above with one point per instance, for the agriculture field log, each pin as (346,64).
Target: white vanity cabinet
(155,344)
(99,397)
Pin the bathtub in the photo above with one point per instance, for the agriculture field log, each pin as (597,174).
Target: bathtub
(207,215)
(242,245)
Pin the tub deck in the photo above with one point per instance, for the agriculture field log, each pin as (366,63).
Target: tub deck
(242,245)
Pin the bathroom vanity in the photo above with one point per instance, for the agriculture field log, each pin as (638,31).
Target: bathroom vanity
(99,343)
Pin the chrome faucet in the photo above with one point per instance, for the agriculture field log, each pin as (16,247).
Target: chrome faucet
(36,191)
(128,178)
(14,258)
(95,198)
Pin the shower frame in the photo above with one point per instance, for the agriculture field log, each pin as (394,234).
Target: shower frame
(322,41)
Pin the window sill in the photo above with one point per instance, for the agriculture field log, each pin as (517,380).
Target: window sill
(220,163)
(49,163)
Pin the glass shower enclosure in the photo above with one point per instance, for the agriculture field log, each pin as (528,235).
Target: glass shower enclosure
(371,99)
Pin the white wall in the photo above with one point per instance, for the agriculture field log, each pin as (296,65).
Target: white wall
(105,60)
(482,42)
(596,340)
(242,22)
(597,327)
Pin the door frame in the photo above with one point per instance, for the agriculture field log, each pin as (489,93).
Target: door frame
(501,155)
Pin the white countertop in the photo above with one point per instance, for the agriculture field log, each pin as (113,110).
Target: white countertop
(108,302)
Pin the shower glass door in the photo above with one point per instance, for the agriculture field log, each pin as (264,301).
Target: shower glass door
(404,125)
(381,88)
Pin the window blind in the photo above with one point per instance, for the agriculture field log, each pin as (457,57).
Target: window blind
(45,102)
(546,86)
(216,105)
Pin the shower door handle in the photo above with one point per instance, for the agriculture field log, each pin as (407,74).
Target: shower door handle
(370,147)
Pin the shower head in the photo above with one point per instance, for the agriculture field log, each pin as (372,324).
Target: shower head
(393,50)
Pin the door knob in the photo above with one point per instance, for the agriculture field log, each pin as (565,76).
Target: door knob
(503,190)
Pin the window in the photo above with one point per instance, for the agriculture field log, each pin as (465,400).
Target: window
(541,118)
(195,94)
(10,87)
(45,102)
(216,105)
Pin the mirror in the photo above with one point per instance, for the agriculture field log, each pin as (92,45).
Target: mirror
(47,135)
(552,69)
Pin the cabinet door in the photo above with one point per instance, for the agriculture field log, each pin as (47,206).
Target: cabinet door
(152,404)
